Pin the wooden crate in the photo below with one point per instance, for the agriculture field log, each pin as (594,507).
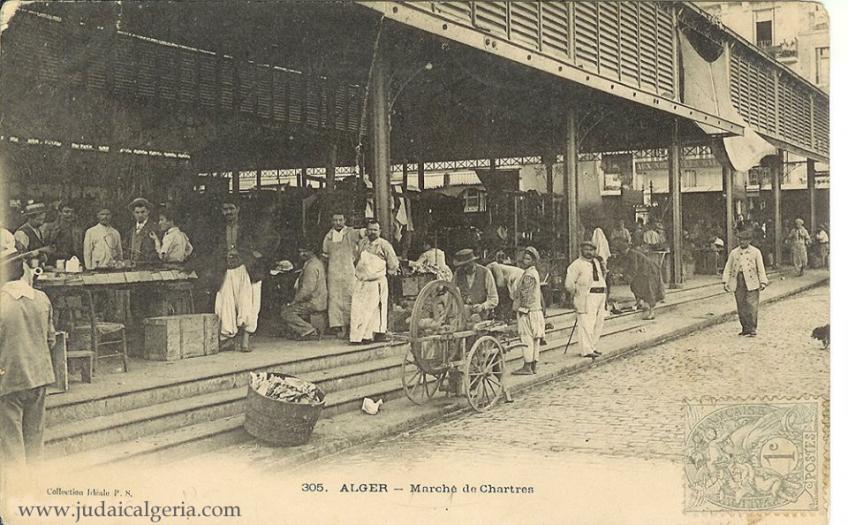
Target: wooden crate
(180,336)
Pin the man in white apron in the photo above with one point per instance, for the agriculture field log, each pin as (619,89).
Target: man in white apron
(370,300)
(339,248)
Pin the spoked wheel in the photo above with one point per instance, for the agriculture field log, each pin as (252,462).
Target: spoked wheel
(484,373)
(419,385)
(437,311)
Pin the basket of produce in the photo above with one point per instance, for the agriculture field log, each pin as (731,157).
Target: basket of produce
(281,409)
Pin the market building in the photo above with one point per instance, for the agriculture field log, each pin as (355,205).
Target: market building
(353,108)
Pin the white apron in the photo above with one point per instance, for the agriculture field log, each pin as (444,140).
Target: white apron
(370,300)
(339,279)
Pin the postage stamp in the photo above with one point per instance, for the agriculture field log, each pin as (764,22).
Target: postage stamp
(754,456)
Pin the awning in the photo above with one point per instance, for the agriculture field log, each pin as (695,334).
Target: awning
(706,86)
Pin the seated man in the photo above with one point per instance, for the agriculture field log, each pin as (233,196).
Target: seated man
(311,297)
(477,286)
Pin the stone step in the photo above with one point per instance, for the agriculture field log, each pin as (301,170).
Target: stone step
(204,435)
(64,408)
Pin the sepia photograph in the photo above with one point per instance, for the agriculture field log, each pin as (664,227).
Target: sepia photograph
(354,261)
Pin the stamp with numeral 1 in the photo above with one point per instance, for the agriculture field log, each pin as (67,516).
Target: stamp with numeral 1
(754,456)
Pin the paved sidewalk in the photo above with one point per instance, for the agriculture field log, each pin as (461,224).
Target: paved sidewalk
(623,336)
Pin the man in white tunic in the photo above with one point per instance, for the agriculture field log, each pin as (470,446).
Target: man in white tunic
(370,301)
(585,281)
(339,249)
(528,305)
(102,243)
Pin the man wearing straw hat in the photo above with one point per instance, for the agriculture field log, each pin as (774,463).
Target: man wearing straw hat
(26,368)
(476,285)
(585,280)
(528,305)
(745,276)
(29,235)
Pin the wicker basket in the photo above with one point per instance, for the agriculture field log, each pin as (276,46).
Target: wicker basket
(279,422)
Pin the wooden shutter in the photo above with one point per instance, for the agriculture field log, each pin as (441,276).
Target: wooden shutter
(263,91)
(525,23)
(459,11)
(586,35)
(608,38)
(648,45)
(629,41)
(665,51)
(206,78)
(491,17)
(555,28)
(187,74)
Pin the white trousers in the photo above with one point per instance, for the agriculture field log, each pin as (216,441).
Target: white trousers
(531,330)
(591,323)
(237,303)
(369,309)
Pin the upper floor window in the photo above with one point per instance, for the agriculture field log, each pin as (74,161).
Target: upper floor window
(822,65)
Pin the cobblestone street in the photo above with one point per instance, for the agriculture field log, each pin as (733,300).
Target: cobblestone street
(634,406)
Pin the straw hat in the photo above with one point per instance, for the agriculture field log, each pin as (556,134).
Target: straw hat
(464,256)
(35,208)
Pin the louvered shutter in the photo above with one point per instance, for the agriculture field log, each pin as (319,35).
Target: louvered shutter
(665,52)
(188,72)
(555,28)
(459,11)
(524,20)
(629,40)
(491,17)
(608,38)
(648,45)
(206,78)
(586,35)
(263,91)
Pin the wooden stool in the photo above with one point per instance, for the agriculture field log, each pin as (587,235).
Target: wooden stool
(319,322)
(85,358)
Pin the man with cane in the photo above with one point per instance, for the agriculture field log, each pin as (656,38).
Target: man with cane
(586,282)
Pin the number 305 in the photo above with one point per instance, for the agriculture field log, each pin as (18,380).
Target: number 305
(312,487)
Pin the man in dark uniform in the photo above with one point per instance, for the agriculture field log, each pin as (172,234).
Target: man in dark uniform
(141,247)
(65,235)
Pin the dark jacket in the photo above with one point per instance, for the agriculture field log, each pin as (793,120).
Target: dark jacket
(140,247)
(211,266)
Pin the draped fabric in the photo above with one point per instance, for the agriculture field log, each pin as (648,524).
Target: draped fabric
(706,86)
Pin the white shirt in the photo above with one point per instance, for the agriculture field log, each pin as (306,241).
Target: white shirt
(102,246)
(822,237)
(175,247)
(337,235)
(7,242)
(139,226)
(19,288)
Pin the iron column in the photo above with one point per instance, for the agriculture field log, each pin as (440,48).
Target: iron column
(676,208)
(811,189)
(380,163)
(776,179)
(727,175)
(570,172)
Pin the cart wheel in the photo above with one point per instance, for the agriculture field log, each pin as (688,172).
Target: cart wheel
(484,371)
(437,310)
(419,385)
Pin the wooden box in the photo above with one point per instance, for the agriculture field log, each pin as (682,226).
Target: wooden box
(180,336)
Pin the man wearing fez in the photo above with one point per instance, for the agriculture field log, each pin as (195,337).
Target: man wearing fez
(64,234)
(369,308)
(310,297)
(528,306)
(745,276)
(26,367)
(476,285)
(585,280)
(29,235)
(243,255)
(339,249)
(141,246)
(102,242)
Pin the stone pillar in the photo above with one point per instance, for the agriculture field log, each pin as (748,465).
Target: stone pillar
(676,206)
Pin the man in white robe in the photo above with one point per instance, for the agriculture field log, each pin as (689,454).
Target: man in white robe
(370,301)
